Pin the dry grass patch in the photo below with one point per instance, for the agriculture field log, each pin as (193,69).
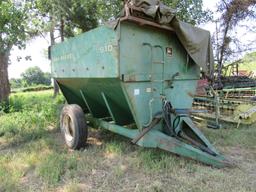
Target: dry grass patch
(34,158)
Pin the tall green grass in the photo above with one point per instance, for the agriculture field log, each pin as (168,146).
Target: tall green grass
(24,138)
(30,116)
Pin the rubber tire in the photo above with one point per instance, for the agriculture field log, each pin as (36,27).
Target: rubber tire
(77,122)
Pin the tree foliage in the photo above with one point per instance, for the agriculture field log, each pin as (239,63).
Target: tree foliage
(12,25)
(233,13)
(71,17)
(76,16)
(35,76)
(190,11)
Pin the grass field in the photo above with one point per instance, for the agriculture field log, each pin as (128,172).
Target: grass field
(34,158)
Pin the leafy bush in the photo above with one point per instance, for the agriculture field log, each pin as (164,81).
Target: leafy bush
(30,116)
(35,76)
(32,88)
(32,77)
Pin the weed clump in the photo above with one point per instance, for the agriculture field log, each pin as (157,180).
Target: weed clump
(30,116)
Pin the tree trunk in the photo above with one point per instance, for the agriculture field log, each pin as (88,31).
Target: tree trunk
(56,89)
(4,81)
(56,86)
(62,25)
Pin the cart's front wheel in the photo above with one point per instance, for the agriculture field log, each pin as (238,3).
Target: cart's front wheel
(73,126)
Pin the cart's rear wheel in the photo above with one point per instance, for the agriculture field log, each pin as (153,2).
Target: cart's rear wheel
(73,126)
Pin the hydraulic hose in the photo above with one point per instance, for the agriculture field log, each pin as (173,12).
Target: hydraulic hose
(167,110)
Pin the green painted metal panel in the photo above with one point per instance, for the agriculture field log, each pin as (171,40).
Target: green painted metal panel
(92,54)
(92,89)
(130,66)
(157,139)
(149,71)
(181,95)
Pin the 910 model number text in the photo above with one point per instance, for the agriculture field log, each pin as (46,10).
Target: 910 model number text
(105,49)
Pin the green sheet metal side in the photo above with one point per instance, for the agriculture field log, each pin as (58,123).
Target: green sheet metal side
(89,92)
(157,139)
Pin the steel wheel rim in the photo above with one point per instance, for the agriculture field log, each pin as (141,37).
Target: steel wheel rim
(68,128)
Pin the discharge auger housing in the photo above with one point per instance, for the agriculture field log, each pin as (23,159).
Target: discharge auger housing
(135,78)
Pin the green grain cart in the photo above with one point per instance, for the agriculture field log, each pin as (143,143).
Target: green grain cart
(135,78)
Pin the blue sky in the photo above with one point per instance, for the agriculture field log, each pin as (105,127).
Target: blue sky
(36,48)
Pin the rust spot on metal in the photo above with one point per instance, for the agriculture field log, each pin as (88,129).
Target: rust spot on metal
(132,78)
(166,144)
(191,94)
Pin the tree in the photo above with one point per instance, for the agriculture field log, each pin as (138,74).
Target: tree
(226,43)
(109,9)
(12,33)
(15,83)
(190,11)
(35,76)
(66,17)
(71,17)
